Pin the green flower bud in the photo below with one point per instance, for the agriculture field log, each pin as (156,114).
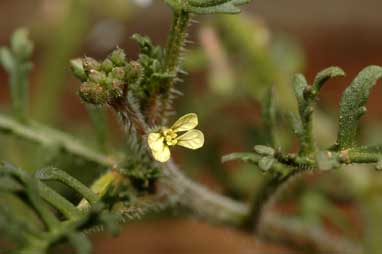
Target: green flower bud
(107,65)
(109,81)
(118,73)
(118,57)
(78,69)
(133,71)
(97,77)
(117,88)
(90,64)
(93,93)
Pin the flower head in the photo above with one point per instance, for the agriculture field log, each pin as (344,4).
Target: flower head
(181,133)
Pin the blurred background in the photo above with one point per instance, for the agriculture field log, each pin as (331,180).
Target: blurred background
(231,64)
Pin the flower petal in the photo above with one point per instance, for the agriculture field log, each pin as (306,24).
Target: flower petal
(162,155)
(155,141)
(185,123)
(192,139)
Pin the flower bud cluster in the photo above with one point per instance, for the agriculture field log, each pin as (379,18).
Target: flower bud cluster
(106,81)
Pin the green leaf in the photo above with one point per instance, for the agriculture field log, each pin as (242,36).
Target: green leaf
(300,85)
(264,150)
(15,61)
(21,45)
(9,184)
(55,174)
(306,99)
(324,76)
(352,105)
(147,47)
(305,107)
(6,59)
(325,161)
(296,123)
(266,163)
(207,6)
(78,69)
(247,157)
(269,118)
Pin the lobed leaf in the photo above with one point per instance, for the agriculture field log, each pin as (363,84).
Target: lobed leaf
(7,59)
(269,118)
(21,45)
(300,85)
(352,105)
(24,212)
(55,174)
(324,76)
(246,157)
(15,60)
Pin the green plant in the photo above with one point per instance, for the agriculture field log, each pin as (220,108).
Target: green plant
(141,92)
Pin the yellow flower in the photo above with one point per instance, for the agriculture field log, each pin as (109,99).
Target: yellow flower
(160,142)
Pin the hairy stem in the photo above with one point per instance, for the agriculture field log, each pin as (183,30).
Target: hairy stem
(175,43)
(181,189)
(176,40)
(199,199)
(176,186)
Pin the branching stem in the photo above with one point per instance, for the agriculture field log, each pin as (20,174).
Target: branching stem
(178,187)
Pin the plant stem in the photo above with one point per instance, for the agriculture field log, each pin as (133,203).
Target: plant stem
(58,202)
(19,91)
(192,195)
(176,39)
(199,199)
(176,186)
(100,186)
(46,136)
(263,201)
(293,232)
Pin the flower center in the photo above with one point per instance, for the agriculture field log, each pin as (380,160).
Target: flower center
(169,137)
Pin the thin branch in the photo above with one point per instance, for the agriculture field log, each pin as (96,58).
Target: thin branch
(49,137)
(295,233)
(263,201)
(199,199)
(180,189)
